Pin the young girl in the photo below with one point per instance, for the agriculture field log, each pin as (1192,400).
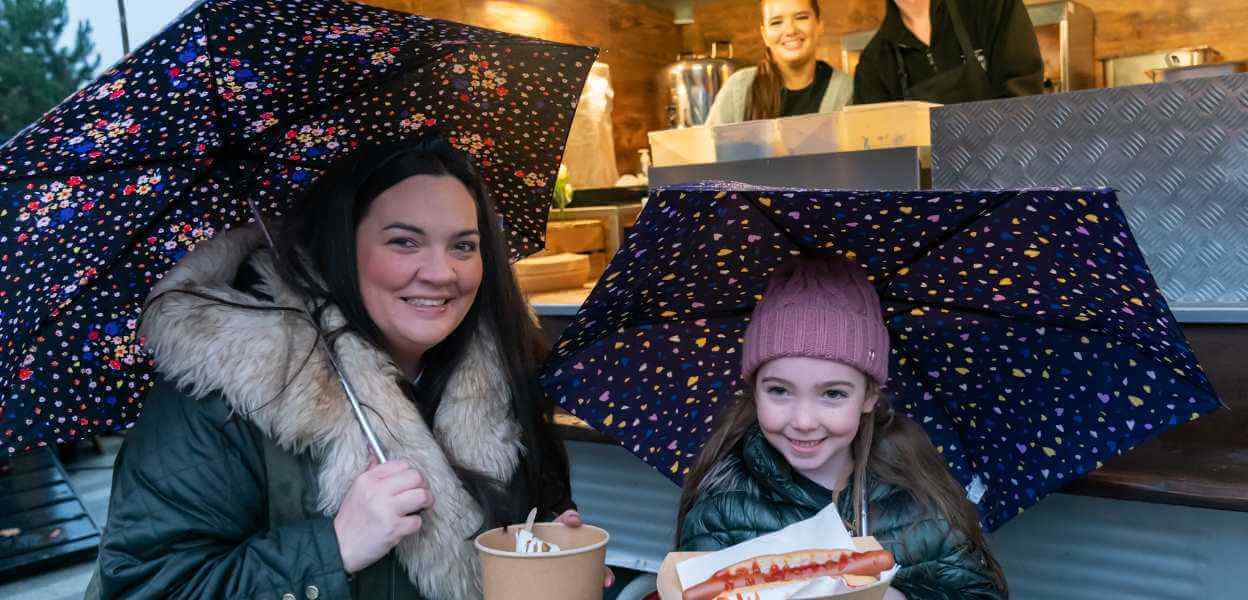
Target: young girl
(789,80)
(815,430)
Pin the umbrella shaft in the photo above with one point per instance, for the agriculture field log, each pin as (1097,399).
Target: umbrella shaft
(357,408)
(374,444)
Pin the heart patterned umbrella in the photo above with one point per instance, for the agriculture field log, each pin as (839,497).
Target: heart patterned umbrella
(1028,336)
(236,101)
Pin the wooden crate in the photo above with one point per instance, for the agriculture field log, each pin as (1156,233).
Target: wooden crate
(616,220)
(576,235)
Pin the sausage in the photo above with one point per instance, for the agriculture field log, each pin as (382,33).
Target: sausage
(789,567)
(754,592)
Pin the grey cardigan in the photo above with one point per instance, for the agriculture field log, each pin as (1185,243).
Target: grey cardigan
(729,105)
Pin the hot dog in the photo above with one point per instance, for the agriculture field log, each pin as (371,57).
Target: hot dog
(754,592)
(790,567)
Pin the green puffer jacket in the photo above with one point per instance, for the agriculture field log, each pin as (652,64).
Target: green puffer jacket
(753,491)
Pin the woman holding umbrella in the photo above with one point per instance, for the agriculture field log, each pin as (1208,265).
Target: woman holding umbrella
(248,476)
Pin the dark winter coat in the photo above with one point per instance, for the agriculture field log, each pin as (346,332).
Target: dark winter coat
(226,489)
(1001,34)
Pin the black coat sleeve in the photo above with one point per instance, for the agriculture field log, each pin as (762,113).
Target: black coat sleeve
(1015,66)
(556,475)
(873,74)
(188,514)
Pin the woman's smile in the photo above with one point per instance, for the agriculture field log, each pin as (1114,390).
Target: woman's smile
(426,306)
(793,43)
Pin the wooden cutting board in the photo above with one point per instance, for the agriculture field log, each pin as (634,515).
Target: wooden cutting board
(553,272)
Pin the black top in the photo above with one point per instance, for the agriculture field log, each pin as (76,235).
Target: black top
(806,100)
(1000,31)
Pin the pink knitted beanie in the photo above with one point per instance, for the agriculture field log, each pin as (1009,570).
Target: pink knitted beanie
(818,309)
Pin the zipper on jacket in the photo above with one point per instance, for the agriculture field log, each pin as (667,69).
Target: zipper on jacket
(926,49)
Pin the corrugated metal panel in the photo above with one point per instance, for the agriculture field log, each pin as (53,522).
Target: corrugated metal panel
(1177,153)
(1077,547)
(1065,548)
(637,505)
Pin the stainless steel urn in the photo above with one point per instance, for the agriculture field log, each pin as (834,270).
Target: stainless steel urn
(689,85)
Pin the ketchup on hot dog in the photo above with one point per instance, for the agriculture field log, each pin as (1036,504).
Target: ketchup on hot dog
(789,567)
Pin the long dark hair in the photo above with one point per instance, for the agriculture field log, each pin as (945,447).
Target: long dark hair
(324,235)
(764,100)
(890,446)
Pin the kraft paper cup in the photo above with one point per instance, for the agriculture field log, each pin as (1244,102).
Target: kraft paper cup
(575,572)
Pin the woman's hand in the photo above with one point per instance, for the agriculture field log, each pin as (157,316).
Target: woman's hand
(571,518)
(379,511)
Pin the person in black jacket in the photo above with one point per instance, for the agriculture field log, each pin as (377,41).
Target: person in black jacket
(248,476)
(950,51)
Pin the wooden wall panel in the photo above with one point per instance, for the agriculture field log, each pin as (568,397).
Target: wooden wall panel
(635,39)
(644,40)
(1125,27)
(734,21)
(451,10)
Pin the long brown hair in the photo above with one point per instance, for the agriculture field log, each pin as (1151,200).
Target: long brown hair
(764,101)
(896,449)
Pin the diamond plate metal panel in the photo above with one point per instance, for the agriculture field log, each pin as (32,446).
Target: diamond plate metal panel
(1177,154)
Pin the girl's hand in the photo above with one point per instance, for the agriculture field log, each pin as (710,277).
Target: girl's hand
(893,594)
(379,511)
(571,518)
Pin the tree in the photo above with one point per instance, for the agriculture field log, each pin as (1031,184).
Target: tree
(35,71)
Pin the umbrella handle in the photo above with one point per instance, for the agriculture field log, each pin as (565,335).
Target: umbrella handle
(864,528)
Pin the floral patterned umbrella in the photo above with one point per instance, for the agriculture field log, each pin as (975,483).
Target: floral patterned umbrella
(237,99)
(1028,335)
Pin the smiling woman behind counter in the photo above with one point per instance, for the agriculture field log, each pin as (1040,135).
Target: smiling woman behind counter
(789,80)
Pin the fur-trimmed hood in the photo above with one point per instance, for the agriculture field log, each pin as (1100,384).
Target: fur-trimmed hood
(249,355)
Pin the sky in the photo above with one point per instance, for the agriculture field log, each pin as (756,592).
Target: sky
(145,18)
